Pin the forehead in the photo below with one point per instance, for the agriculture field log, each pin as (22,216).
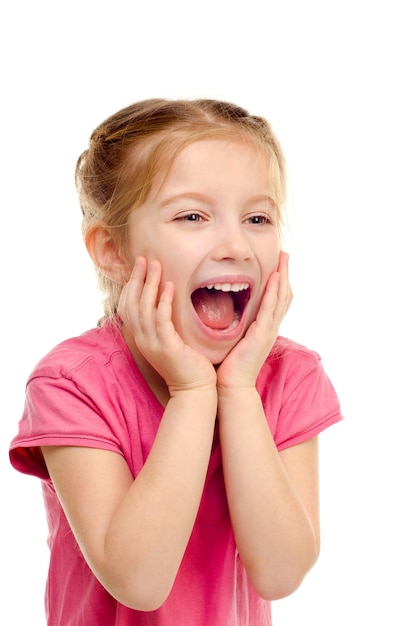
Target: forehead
(216,160)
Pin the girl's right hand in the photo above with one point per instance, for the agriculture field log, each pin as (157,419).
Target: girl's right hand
(148,318)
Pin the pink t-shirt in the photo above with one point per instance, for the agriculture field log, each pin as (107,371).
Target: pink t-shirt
(88,392)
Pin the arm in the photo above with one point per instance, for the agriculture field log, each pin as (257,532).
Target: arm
(133,533)
(273,497)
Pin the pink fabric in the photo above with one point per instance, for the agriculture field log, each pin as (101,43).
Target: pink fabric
(89,392)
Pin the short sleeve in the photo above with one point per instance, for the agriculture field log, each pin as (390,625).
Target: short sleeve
(57,412)
(299,398)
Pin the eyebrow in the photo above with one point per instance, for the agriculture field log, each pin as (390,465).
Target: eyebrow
(203,198)
(188,195)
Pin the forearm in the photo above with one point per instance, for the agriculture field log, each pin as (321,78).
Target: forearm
(273,532)
(148,534)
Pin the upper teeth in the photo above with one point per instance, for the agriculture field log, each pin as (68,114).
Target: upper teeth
(228,286)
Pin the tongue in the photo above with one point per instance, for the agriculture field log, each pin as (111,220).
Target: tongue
(214,308)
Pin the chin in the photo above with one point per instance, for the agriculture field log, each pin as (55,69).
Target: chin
(216,356)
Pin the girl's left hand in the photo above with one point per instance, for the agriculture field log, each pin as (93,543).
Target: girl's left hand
(242,365)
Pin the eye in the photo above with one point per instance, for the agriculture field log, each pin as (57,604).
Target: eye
(258,219)
(189,217)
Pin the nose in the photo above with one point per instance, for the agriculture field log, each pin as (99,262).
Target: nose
(232,243)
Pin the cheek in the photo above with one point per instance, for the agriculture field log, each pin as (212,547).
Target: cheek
(179,259)
(270,256)
(173,270)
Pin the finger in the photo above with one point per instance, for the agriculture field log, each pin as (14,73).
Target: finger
(130,294)
(148,301)
(284,295)
(277,296)
(265,318)
(283,262)
(276,288)
(163,322)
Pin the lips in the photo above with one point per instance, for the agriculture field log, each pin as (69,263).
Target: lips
(221,305)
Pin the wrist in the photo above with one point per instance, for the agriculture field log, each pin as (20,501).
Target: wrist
(198,402)
(242,393)
(193,390)
(238,405)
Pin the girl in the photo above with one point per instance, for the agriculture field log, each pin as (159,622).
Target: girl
(177,441)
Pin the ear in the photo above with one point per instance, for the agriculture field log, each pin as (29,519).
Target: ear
(106,254)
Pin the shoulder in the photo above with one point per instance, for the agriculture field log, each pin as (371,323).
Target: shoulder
(298,397)
(94,371)
(290,359)
(87,391)
(96,350)
(288,365)
(284,347)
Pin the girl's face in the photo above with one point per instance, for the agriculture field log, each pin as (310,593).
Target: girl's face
(213,226)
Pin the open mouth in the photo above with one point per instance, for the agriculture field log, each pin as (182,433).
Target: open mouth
(220,306)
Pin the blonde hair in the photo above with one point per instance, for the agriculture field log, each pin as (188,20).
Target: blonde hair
(132,147)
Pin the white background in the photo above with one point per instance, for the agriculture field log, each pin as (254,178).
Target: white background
(338,82)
